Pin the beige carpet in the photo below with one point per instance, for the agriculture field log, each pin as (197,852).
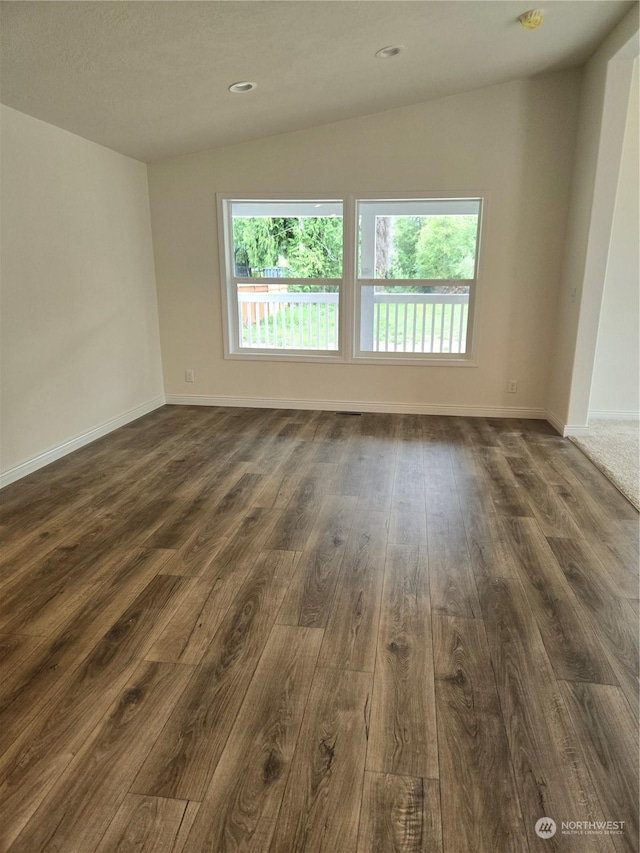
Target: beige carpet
(614,446)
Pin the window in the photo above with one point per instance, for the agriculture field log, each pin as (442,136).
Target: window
(416,277)
(284,269)
(404,271)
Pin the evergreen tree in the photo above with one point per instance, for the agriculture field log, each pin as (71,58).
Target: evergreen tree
(310,246)
(259,241)
(315,248)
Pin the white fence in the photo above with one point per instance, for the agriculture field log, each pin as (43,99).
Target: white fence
(404,323)
(289,320)
(414,322)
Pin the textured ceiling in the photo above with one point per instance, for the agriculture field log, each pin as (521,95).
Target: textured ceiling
(150,79)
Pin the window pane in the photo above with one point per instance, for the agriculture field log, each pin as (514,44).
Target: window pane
(419,239)
(288,316)
(407,319)
(287,239)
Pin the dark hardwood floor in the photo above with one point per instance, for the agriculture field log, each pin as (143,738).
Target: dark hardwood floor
(233,630)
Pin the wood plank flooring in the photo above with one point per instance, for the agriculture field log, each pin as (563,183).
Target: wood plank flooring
(231,630)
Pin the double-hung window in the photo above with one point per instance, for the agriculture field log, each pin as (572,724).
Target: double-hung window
(416,277)
(283,262)
(364,280)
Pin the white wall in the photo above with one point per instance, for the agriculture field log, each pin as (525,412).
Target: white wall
(603,109)
(513,142)
(79,335)
(616,373)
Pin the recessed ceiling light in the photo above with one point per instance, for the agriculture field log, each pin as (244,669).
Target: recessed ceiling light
(241,88)
(388,52)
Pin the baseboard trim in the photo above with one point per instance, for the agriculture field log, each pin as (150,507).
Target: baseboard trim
(566,430)
(583,429)
(556,422)
(615,416)
(42,459)
(575,429)
(356,406)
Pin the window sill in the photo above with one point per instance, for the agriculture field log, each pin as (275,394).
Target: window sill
(337,358)
(427,361)
(300,357)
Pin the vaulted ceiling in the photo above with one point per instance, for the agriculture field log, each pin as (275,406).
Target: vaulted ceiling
(150,79)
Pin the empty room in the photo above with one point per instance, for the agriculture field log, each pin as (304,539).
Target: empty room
(320,400)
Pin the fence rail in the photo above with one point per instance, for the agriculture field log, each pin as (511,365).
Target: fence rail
(415,322)
(404,323)
(289,320)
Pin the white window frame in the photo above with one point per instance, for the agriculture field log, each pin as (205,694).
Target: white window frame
(463,359)
(229,282)
(349,287)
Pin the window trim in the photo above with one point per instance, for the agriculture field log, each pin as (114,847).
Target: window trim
(348,351)
(465,359)
(229,283)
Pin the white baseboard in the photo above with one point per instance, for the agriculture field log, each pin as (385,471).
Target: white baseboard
(555,422)
(355,406)
(566,429)
(583,429)
(615,416)
(575,429)
(42,459)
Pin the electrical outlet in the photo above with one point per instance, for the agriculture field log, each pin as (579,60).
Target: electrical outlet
(189,376)
(512,386)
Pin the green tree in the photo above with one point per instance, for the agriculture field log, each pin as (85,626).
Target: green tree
(259,241)
(315,248)
(310,246)
(446,247)
(405,238)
